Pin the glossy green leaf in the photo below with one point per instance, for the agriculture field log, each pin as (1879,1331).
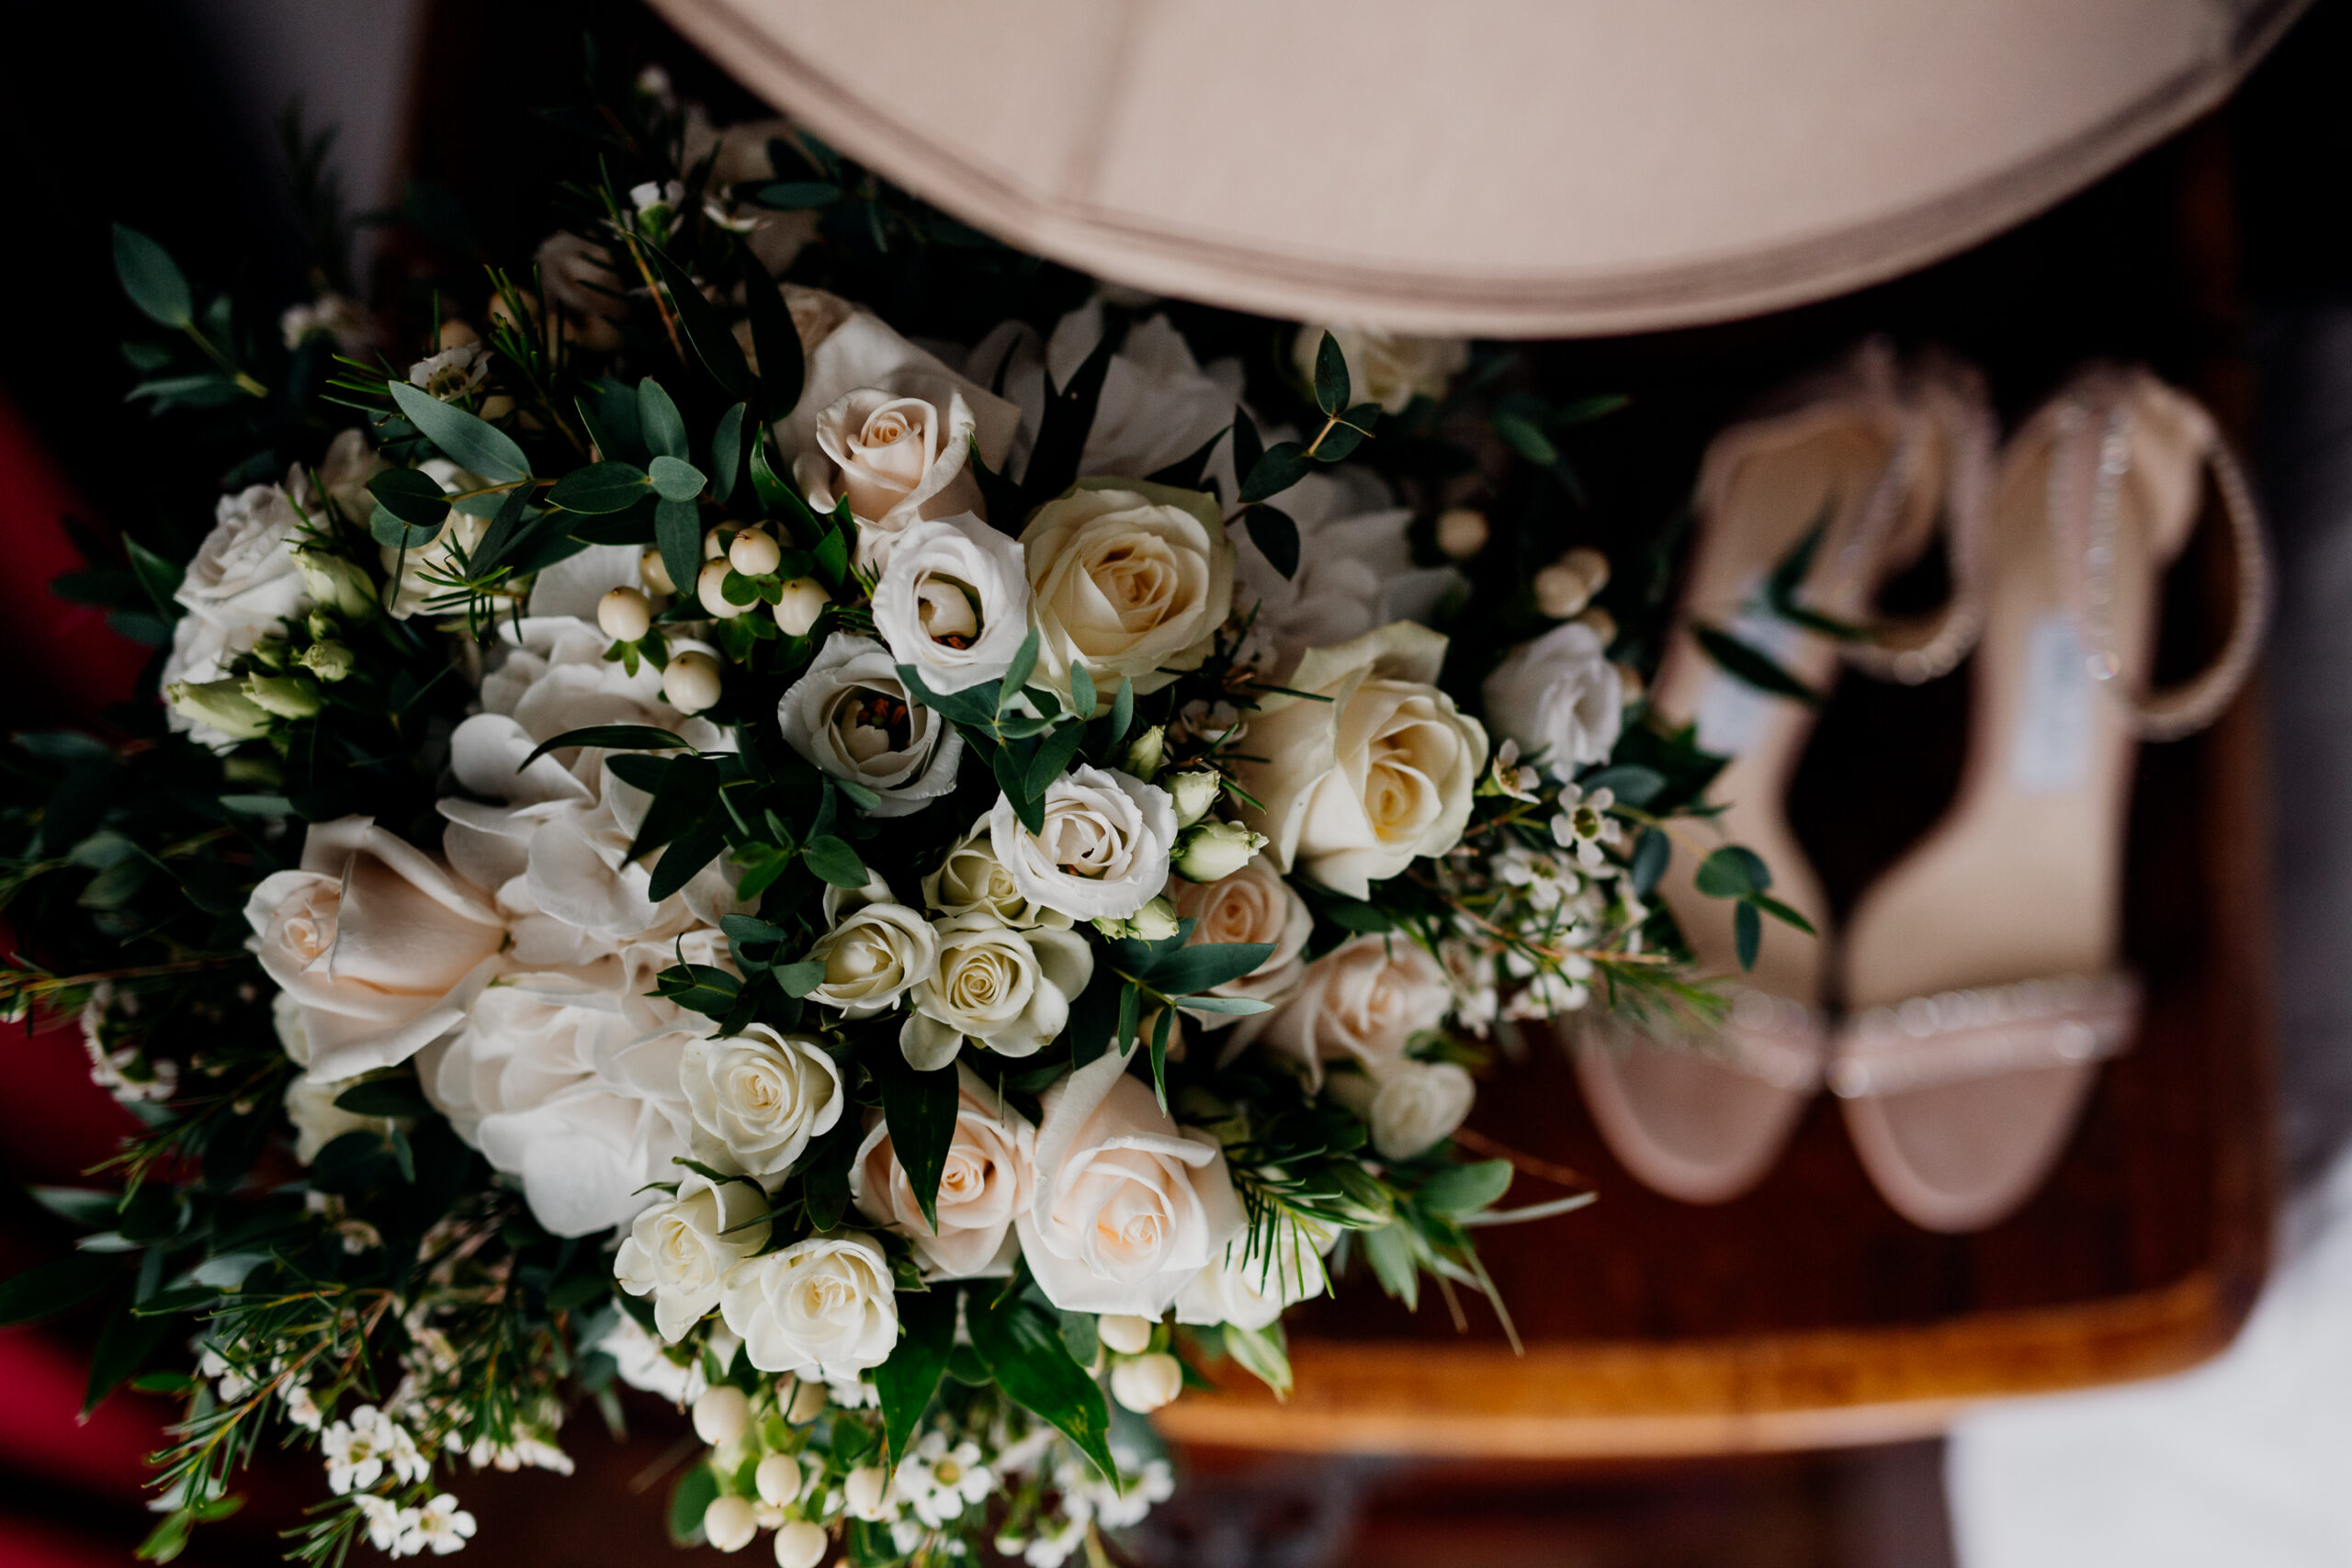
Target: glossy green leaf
(920,1108)
(910,1375)
(1023,1350)
(45,1290)
(610,738)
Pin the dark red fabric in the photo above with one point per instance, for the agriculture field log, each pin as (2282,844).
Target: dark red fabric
(81,665)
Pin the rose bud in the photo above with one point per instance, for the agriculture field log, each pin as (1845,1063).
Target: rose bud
(1144,1383)
(804,599)
(777,1479)
(710,588)
(1461,532)
(755,552)
(222,705)
(730,1523)
(720,1414)
(1143,752)
(287,696)
(625,614)
(691,682)
(1211,851)
(330,662)
(799,1544)
(1125,1333)
(1195,793)
(338,585)
(656,575)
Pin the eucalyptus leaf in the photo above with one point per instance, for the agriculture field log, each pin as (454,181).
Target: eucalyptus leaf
(152,279)
(599,488)
(464,439)
(659,424)
(675,479)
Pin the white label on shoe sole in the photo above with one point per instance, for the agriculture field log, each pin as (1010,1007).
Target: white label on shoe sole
(2051,753)
(1732,714)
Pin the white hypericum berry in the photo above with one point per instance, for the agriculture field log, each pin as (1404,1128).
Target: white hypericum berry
(720,1414)
(730,1523)
(803,601)
(623,614)
(1144,1383)
(1125,1333)
(777,1479)
(867,1493)
(691,682)
(656,574)
(809,1402)
(710,588)
(1461,532)
(755,552)
(799,1544)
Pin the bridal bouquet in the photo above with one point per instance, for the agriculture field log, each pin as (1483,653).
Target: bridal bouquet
(908,896)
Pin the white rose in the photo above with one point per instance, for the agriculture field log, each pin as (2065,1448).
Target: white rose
(758,1098)
(972,881)
(350,462)
(822,1306)
(380,947)
(551,841)
(420,565)
(318,1121)
(1559,697)
(569,1082)
(896,460)
(1252,1292)
(983,1185)
(1103,854)
(850,716)
(1129,578)
(242,582)
(875,952)
(1158,404)
(679,1252)
(1355,573)
(640,1361)
(1363,1001)
(1354,788)
(1127,1206)
(953,602)
(1387,368)
(1008,989)
(1416,1104)
(1255,903)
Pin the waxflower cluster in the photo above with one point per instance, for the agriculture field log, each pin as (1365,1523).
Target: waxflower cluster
(907,897)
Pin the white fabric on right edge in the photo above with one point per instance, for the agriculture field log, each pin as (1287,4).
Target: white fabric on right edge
(2245,1462)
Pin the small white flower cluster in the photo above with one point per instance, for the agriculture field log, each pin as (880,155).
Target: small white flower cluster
(123,1069)
(397,1530)
(360,1449)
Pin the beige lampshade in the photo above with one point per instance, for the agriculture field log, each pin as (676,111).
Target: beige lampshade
(1509,167)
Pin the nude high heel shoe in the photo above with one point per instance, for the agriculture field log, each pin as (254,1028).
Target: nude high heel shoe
(1870,459)
(1981,971)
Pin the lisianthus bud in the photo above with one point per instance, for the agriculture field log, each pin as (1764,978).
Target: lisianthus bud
(270,651)
(1211,851)
(623,614)
(777,1479)
(865,1492)
(222,705)
(287,696)
(1144,754)
(1195,793)
(1144,1383)
(337,583)
(1461,532)
(321,626)
(656,575)
(710,588)
(1156,921)
(799,1544)
(329,662)
(730,1523)
(1126,1334)
(804,599)
(755,552)
(720,1414)
(691,682)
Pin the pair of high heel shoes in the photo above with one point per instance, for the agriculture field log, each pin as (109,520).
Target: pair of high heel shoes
(1979,976)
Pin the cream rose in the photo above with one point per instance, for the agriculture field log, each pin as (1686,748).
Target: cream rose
(1129,578)
(1355,573)
(757,1099)
(983,1185)
(379,945)
(680,1252)
(972,881)
(1387,368)
(1363,1001)
(953,602)
(318,1121)
(896,460)
(1559,697)
(851,716)
(417,567)
(1008,989)
(1103,854)
(1355,788)
(568,1081)
(823,1306)
(874,953)
(1252,1292)
(1158,404)
(242,582)
(1127,1206)
(1255,903)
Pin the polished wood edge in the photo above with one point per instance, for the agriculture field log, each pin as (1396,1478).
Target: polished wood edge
(1814,1389)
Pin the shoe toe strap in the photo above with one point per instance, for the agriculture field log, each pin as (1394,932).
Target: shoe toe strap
(1957,1036)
